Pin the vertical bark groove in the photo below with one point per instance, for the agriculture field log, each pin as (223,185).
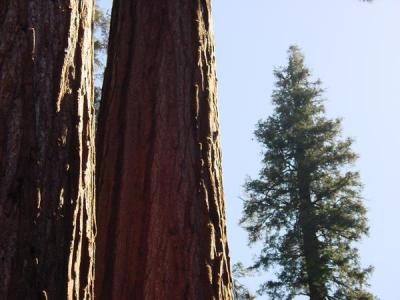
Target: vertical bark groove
(46,150)
(161,212)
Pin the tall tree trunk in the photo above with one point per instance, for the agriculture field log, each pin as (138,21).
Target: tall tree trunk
(311,246)
(314,266)
(46,150)
(161,215)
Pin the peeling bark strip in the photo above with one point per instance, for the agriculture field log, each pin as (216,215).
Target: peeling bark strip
(161,215)
(46,150)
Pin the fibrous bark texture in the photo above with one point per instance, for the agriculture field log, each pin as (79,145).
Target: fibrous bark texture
(46,150)
(161,215)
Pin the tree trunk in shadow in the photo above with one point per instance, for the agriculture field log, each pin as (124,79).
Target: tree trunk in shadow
(46,150)
(311,246)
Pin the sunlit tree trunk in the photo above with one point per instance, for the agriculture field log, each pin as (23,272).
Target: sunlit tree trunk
(161,215)
(46,150)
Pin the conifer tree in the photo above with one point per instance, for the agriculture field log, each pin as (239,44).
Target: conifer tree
(306,205)
(101,32)
(240,291)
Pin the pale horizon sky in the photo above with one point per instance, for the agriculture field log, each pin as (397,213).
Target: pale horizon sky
(354,48)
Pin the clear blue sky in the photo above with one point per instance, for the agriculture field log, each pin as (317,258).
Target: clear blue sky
(354,48)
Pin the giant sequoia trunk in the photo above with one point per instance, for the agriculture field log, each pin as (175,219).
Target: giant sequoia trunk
(161,218)
(46,150)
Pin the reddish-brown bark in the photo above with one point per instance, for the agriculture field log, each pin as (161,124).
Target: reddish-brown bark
(161,215)
(46,150)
